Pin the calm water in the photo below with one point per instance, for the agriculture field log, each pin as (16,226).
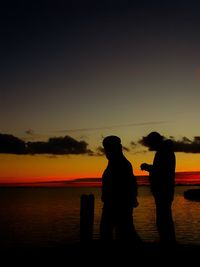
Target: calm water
(49,216)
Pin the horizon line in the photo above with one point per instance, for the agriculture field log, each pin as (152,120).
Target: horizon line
(182,178)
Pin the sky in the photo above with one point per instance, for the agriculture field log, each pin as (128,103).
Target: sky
(71,75)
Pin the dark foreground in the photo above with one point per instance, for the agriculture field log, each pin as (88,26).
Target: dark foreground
(97,253)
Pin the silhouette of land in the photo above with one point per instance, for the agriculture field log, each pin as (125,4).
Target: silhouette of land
(182,178)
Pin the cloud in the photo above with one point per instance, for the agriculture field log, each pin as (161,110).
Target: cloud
(10,144)
(101,152)
(125,148)
(188,146)
(112,126)
(66,145)
(184,145)
(59,146)
(133,144)
(30,132)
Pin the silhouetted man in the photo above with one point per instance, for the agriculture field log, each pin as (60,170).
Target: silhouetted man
(162,183)
(119,193)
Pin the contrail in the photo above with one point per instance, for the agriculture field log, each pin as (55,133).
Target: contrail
(111,127)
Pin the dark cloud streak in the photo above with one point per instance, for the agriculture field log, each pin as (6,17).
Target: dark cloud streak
(59,146)
(66,145)
(10,144)
(187,146)
(112,126)
(184,145)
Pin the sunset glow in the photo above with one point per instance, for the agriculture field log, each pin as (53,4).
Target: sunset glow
(32,169)
(73,76)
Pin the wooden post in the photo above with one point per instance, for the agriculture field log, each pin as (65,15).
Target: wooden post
(86,217)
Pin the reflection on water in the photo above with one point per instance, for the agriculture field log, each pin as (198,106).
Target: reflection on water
(187,218)
(49,216)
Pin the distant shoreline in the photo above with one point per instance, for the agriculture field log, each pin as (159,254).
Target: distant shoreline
(71,185)
(182,179)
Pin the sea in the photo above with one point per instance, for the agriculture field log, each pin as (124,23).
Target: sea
(49,216)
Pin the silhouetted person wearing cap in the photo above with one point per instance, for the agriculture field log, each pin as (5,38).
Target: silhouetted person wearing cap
(119,194)
(162,183)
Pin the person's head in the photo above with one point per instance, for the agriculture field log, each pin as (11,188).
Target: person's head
(153,140)
(112,146)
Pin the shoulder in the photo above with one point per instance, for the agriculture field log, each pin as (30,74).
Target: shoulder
(168,146)
(127,163)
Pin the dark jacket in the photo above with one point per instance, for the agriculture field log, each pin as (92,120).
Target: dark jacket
(162,174)
(119,186)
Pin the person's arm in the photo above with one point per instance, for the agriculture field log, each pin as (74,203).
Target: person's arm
(146,167)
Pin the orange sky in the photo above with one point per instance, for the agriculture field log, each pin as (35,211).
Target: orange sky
(25,168)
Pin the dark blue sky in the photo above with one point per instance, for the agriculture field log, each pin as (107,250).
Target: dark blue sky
(83,67)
